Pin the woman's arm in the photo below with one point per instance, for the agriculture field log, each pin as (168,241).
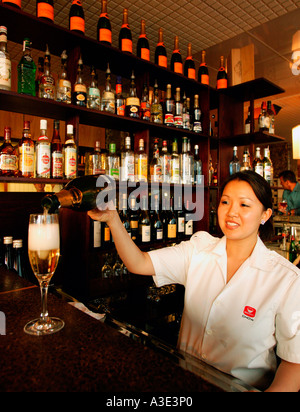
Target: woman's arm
(287,378)
(134,259)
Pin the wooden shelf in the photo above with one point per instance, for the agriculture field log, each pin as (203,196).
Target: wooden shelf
(13,179)
(255,138)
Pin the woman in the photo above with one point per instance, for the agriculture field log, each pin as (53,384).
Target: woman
(241,299)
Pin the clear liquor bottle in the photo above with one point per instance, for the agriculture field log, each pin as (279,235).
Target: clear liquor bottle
(108,100)
(145,104)
(186,117)
(70,154)
(246,164)
(132,107)
(234,165)
(5,62)
(156,107)
(26,152)
(175,163)
(187,166)
(197,167)
(93,95)
(268,166)
(178,117)
(155,164)
(113,162)
(141,163)
(47,81)
(258,165)
(80,92)
(64,87)
(94,160)
(43,152)
(8,156)
(166,163)
(127,162)
(26,71)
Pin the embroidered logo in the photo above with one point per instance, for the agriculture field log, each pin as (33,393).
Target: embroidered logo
(249,313)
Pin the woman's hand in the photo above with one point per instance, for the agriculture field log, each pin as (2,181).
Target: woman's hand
(107,216)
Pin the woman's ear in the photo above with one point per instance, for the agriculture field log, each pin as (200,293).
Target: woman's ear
(266,216)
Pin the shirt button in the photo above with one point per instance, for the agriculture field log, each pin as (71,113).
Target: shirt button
(204,356)
(209,332)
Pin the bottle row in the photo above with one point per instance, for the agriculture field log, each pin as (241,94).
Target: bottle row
(146,226)
(12,255)
(40,159)
(266,119)
(261,164)
(45,10)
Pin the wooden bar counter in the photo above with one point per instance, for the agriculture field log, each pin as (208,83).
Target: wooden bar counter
(87,355)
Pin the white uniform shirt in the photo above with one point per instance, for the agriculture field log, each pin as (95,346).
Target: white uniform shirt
(236,326)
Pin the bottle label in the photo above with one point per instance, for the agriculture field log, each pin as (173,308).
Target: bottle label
(189,228)
(169,118)
(77,23)
(105,35)
(120,108)
(132,101)
(8,162)
(181,225)
(64,91)
(197,127)
(259,168)
(43,153)
(222,84)
(142,169)
(127,45)
(128,169)
(26,159)
(192,73)
(186,121)
(178,121)
(94,92)
(205,79)
(57,165)
(156,174)
(70,162)
(146,234)
(16,2)
(5,71)
(145,54)
(159,234)
(178,68)
(172,231)
(247,128)
(145,108)
(80,93)
(163,61)
(45,10)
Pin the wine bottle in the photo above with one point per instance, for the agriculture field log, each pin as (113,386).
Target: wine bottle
(222,81)
(134,220)
(5,62)
(143,48)
(169,107)
(189,65)
(144,223)
(132,107)
(79,194)
(172,222)
(176,59)
(160,51)
(203,74)
(104,26)
(57,171)
(45,10)
(76,17)
(125,37)
(124,214)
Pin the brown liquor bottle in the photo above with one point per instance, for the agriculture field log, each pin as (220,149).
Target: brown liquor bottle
(57,153)
(26,151)
(8,156)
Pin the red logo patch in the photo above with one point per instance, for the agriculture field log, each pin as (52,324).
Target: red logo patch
(250,312)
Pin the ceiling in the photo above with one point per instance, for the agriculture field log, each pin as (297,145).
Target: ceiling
(216,26)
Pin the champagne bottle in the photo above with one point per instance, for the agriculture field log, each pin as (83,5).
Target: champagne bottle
(76,17)
(222,82)
(189,65)
(79,194)
(132,102)
(160,51)
(45,10)
(203,74)
(176,59)
(143,48)
(125,37)
(104,26)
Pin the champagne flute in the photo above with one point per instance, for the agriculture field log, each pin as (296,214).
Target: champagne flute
(43,251)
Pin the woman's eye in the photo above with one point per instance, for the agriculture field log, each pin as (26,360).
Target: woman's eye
(224,202)
(244,205)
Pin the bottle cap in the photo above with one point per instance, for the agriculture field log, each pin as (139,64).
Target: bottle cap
(18,243)
(7,240)
(112,148)
(3,29)
(43,124)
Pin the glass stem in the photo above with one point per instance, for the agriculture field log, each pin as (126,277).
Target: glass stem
(44,295)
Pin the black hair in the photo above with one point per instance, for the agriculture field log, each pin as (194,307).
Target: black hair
(288,175)
(262,191)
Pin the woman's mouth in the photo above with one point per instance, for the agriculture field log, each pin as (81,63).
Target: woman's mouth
(232,225)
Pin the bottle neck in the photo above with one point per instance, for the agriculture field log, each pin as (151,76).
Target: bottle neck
(125,18)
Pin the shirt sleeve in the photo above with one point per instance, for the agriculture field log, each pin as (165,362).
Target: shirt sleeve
(288,324)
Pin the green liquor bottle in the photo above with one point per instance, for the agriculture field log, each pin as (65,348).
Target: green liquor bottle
(26,71)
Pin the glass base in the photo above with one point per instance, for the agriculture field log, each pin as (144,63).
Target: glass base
(38,327)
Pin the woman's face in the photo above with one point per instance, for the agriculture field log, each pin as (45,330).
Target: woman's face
(240,213)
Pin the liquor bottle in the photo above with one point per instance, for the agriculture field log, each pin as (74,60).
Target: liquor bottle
(176,59)
(145,104)
(19,258)
(104,26)
(155,164)
(189,223)
(45,10)
(143,48)
(5,62)
(13,3)
(203,74)
(178,117)
(105,244)
(120,101)
(271,117)
(76,17)
(124,214)
(127,162)
(187,166)
(8,156)
(8,252)
(197,123)
(144,223)
(79,194)
(175,163)
(268,166)
(156,108)
(189,65)
(43,152)
(197,167)
(246,165)
(57,171)
(134,220)
(79,94)
(113,162)
(180,218)
(64,87)
(186,117)
(132,107)
(215,177)
(234,165)
(70,154)
(293,249)
(156,223)
(39,74)
(95,163)
(125,38)
(172,222)
(47,81)
(169,107)
(210,171)
(222,80)
(264,119)
(160,51)
(166,163)
(258,165)
(248,122)
(26,152)
(108,97)
(141,163)
(26,71)
(93,95)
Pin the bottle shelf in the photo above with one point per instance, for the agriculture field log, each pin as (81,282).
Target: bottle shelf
(32,180)
(255,138)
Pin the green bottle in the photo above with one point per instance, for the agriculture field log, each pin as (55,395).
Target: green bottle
(26,71)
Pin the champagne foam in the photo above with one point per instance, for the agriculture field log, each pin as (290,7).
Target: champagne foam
(43,237)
